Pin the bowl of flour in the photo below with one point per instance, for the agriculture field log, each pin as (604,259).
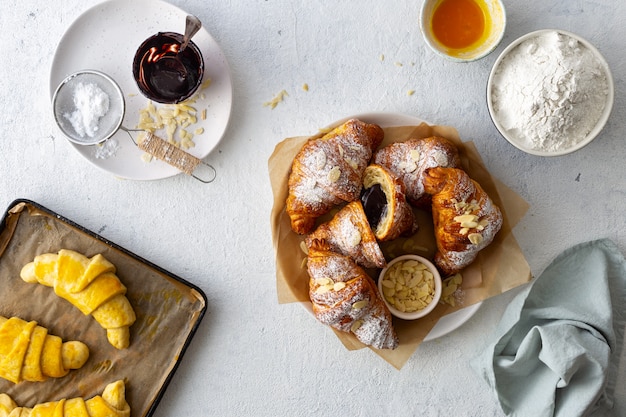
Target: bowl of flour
(550,93)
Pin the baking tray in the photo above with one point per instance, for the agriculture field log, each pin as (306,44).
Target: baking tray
(169,310)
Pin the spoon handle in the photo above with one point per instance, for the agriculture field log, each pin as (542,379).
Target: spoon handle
(192,26)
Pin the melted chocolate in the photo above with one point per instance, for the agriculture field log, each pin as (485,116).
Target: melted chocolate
(374,203)
(163,73)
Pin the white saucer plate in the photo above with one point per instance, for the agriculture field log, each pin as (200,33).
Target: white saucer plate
(105,38)
(452,321)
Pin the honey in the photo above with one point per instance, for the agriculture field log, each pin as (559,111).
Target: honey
(460,24)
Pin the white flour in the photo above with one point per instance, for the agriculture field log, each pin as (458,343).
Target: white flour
(91,104)
(550,92)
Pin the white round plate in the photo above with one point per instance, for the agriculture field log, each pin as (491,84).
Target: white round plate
(105,38)
(452,321)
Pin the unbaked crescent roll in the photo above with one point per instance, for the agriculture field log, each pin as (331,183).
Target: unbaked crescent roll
(29,353)
(91,285)
(112,403)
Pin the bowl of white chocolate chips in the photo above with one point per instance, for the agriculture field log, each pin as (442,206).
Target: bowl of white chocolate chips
(411,286)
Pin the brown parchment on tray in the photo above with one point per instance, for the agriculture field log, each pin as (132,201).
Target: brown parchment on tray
(499,267)
(168,311)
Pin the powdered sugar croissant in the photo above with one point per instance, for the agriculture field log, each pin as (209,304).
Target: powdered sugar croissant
(346,298)
(466,220)
(327,171)
(410,159)
(91,285)
(112,403)
(350,234)
(29,353)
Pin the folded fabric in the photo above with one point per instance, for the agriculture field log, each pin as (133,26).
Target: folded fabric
(557,347)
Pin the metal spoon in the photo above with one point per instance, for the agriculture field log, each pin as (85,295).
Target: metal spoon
(192,26)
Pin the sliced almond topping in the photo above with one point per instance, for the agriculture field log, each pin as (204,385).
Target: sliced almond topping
(355,326)
(303,248)
(323,289)
(353,164)
(339,286)
(467,218)
(323,281)
(360,304)
(475,238)
(415,155)
(334,174)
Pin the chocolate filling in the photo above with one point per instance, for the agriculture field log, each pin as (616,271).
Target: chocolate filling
(374,203)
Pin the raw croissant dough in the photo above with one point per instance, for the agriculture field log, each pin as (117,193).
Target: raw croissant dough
(466,220)
(350,234)
(91,285)
(29,353)
(112,403)
(345,297)
(327,171)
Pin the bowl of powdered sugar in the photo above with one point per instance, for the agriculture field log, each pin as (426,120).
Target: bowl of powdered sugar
(550,93)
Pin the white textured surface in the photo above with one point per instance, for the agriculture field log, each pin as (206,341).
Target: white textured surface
(252,356)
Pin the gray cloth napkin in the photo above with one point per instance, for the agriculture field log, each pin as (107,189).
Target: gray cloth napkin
(558,345)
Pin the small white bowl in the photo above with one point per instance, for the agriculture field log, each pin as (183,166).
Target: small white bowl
(437,287)
(524,143)
(496,24)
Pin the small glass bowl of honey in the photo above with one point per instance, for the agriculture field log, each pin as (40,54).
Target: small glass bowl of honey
(463,30)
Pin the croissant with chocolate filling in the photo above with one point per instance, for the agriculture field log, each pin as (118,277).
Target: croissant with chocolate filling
(91,285)
(385,205)
(350,234)
(327,171)
(29,353)
(112,403)
(346,298)
(466,220)
(408,160)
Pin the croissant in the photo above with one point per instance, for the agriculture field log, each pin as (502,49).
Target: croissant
(408,161)
(466,220)
(327,171)
(350,234)
(385,204)
(344,297)
(91,285)
(112,403)
(29,353)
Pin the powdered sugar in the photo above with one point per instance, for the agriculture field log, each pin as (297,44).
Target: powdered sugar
(549,92)
(92,103)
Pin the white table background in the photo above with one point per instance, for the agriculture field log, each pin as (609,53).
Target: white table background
(252,356)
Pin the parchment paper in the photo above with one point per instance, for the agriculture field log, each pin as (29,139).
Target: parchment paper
(499,267)
(168,310)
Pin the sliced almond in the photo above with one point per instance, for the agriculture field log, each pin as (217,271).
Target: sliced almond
(475,238)
(360,304)
(334,174)
(355,326)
